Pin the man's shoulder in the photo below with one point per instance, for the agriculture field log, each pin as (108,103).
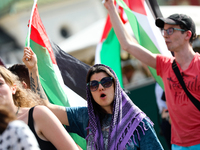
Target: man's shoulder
(164,58)
(196,58)
(197,55)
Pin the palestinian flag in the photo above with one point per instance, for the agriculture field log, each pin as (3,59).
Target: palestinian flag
(47,66)
(74,74)
(108,49)
(141,16)
(49,72)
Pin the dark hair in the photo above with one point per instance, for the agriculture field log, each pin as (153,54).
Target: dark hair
(192,38)
(22,72)
(185,22)
(98,110)
(5,117)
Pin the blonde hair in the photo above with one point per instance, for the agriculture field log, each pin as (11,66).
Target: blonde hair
(22,97)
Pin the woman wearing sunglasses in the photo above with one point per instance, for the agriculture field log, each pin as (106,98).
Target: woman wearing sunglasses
(111,121)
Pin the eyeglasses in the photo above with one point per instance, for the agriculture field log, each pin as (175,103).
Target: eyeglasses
(170,31)
(106,82)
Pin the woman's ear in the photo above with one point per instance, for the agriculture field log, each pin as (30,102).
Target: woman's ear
(14,89)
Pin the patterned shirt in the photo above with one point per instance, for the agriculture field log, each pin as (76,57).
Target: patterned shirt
(18,136)
(78,120)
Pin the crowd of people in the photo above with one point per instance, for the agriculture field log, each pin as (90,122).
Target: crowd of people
(28,107)
(111,120)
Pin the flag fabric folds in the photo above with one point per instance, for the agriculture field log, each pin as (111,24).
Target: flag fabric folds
(108,49)
(142,21)
(49,72)
(73,71)
(47,66)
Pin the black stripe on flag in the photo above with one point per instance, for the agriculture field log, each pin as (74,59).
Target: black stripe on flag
(73,71)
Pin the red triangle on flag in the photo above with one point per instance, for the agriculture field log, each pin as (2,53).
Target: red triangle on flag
(136,6)
(39,35)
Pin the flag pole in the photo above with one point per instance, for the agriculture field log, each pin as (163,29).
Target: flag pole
(29,28)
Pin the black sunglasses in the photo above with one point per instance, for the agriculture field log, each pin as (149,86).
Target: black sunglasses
(170,31)
(106,82)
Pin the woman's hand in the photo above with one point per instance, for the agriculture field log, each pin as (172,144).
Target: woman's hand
(29,58)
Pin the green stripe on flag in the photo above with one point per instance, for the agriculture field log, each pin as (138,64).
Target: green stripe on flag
(148,44)
(49,73)
(142,37)
(79,140)
(51,85)
(48,76)
(132,20)
(110,54)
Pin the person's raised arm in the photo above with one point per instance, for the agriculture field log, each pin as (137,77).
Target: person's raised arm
(128,43)
(30,60)
(48,125)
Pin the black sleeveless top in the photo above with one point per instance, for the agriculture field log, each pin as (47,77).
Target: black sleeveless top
(44,145)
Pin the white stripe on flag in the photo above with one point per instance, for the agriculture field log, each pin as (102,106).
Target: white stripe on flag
(74,99)
(97,54)
(148,24)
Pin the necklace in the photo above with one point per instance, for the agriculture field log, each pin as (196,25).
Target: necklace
(17,110)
